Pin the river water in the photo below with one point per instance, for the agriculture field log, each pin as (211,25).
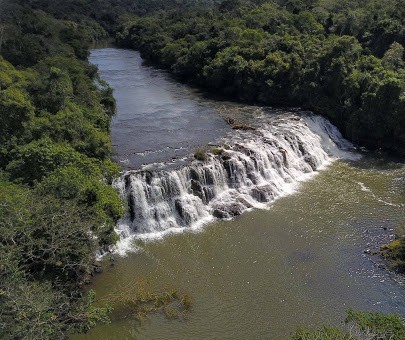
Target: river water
(299,260)
(158,118)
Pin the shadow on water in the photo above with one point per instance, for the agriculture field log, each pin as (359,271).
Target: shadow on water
(376,160)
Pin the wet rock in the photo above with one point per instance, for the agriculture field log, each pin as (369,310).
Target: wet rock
(246,204)
(262,194)
(183,213)
(131,207)
(179,208)
(368,251)
(196,187)
(311,161)
(237,125)
(194,174)
(225,157)
(253,177)
(284,153)
(220,214)
(228,168)
(208,194)
(148,177)
(97,268)
(301,147)
(209,177)
(228,210)
(127,180)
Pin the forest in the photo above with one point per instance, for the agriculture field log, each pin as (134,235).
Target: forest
(57,206)
(343,59)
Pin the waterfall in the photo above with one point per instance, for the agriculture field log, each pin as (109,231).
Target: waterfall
(253,168)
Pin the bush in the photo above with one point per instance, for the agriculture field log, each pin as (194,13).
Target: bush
(73,183)
(200,155)
(382,326)
(322,333)
(359,325)
(217,151)
(32,162)
(394,252)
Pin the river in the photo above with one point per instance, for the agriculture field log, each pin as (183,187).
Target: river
(299,255)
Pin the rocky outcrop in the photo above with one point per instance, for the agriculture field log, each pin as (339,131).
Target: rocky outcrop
(237,125)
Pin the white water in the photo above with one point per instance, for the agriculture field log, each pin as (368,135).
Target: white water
(256,168)
(364,188)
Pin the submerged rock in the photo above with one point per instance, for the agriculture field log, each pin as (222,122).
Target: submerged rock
(237,125)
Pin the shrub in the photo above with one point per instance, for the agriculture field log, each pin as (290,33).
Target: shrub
(217,151)
(200,155)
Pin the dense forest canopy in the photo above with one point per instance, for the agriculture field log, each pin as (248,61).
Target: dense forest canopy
(57,207)
(341,58)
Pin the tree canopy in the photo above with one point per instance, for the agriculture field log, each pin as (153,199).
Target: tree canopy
(342,59)
(57,207)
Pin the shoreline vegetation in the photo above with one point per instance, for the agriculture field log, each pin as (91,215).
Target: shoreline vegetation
(57,207)
(357,325)
(394,252)
(342,59)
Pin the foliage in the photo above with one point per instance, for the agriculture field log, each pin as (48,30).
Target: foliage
(382,326)
(57,206)
(45,249)
(359,325)
(343,59)
(200,155)
(138,299)
(34,310)
(394,252)
(32,35)
(324,333)
(99,16)
(217,151)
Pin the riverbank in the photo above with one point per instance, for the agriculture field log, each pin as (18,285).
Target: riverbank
(266,272)
(57,206)
(275,55)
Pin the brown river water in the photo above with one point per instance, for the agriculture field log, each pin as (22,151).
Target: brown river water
(302,260)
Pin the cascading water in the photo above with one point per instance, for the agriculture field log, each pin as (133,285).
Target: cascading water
(252,169)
